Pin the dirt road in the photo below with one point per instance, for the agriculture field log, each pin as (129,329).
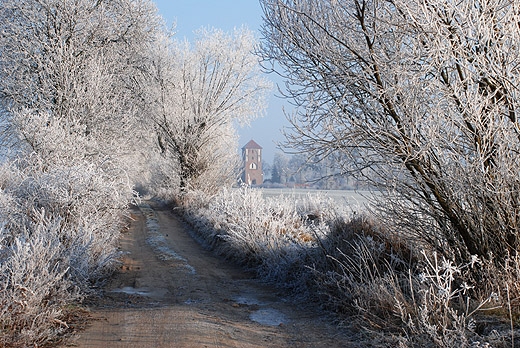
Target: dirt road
(170,292)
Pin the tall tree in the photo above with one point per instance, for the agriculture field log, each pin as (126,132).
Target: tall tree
(67,74)
(201,92)
(424,93)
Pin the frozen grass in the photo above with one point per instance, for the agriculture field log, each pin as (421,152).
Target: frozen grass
(34,285)
(58,239)
(275,237)
(397,294)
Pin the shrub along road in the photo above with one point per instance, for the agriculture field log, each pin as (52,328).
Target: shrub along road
(170,292)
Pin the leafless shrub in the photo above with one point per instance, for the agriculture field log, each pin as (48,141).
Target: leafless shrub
(71,123)
(34,267)
(405,297)
(366,270)
(59,231)
(89,202)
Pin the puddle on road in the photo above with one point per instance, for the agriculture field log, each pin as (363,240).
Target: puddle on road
(141,291)
(132,291)
(192,301)
(269,317)
(247,300)
(263,316)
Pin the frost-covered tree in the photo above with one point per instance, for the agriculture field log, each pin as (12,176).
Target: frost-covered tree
(424,94)
(67,75)
(280,169)
(201,91)
(69,107)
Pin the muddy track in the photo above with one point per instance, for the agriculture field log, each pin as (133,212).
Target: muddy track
(170,292)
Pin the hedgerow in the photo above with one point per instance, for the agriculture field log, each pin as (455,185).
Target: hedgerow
(59,229)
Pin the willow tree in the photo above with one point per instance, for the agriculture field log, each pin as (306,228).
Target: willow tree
(199,94)
(423,96)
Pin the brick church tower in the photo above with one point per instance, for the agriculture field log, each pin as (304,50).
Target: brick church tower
(252,157)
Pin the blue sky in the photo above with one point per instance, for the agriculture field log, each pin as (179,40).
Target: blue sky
(191,15)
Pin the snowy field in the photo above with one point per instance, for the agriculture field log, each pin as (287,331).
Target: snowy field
(344,197)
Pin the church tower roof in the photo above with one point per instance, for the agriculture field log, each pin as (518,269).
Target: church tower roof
(252,145)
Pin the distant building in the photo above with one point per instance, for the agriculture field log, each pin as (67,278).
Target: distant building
(252,159)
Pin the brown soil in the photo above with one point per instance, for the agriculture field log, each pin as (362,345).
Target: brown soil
(170,292)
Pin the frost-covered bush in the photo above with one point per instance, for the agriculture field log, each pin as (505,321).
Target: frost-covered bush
(162,180)
(276,237)
(441,311)
(59,231)
(89,200)
(364,266)
(34,283)
(406,297)
(71,130)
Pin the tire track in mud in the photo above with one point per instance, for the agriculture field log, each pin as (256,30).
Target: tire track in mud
(158,241)
(170,292)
